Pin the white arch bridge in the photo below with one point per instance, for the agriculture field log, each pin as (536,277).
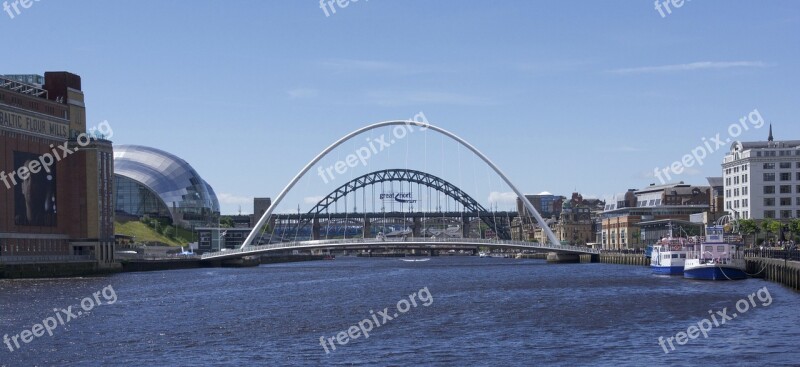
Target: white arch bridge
(553,244)
(399,243)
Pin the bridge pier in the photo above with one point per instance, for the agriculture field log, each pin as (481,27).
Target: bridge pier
(315,229)
(417,228)
(367,228)
(563,258)
(465,226)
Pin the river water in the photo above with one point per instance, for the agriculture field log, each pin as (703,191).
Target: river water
(469,312)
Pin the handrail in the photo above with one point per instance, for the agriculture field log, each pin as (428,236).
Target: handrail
(356,241)
(45,259)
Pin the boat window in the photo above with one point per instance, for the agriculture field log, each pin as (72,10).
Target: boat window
(709,248)
(674,256)
(720,248)
(683,256)
(666,256)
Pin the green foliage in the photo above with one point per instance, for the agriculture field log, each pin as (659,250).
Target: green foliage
(169,232)
(749,227)
(226,222)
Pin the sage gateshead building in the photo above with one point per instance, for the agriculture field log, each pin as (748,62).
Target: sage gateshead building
(152,182)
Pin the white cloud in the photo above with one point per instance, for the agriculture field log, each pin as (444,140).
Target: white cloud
(225,198)
(502,198)
(313,200)
(700,65)
(393,98)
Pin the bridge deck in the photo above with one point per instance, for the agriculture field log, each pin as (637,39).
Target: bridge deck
(428,242)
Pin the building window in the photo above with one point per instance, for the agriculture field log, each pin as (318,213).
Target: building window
(769,189)
(744,190)
(786,165)
(745,202)
(769,165)
(735,192)
(798,176)
(744,178)
(728,181)
(769,201)
(728,193)
(786,201)
(736,180)
(769,177)
(786,189)
(769,214)
(786,176)
(786,214)
(797,201)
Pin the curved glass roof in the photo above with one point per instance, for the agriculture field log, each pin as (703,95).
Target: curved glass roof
(183,191)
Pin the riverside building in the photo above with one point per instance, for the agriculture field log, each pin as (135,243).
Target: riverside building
(762,179)
(64,211)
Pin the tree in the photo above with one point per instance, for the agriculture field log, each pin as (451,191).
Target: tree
(770,227)
(226,222)
(169,232)
(748,227)
(794,228)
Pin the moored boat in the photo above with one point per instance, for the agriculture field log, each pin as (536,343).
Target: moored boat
(715,258)
(668,255)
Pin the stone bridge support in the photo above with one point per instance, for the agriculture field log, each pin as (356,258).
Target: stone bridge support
(563,258)
(315,229)
(367,228)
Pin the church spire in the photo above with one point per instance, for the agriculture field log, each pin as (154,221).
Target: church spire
(770,133)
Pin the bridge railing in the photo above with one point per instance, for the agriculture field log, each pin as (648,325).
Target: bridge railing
(357,241)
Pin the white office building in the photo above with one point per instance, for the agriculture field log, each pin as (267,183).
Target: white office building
(762,179)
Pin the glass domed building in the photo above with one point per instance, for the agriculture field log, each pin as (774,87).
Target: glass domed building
(152,182)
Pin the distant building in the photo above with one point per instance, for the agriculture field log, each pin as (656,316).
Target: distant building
(260,206)
(547,204)
(762,179)
(654,205)
(215,239)
(155,183)
(575,225)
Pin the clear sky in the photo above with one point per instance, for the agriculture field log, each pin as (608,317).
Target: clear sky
(562,95)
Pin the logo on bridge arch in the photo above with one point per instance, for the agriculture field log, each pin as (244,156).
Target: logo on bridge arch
(400,197)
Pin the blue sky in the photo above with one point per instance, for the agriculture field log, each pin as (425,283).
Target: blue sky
(562,95)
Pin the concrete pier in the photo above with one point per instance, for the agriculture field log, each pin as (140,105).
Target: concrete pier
(624,259)
(563,258)
(775,270)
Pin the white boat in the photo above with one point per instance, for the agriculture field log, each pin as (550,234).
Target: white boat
(669,254)
(715,259)
(416,260)
(484,254)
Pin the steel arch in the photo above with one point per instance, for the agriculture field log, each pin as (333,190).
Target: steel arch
(411,176)
(410,123)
